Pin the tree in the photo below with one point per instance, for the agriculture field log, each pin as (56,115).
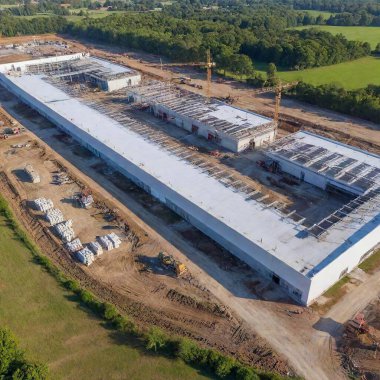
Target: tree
(9,352)
(377,48)
(155,339)
(242,65)
(272,74)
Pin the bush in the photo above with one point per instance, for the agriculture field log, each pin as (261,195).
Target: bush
(245,373)
(156,339)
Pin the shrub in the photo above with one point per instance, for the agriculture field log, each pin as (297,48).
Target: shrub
(245,373)
(155,339)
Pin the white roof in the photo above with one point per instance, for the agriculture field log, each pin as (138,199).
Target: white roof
(238,116)
(113,67)
(264,226)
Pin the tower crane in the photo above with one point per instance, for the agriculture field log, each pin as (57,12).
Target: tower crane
(209,64)
(277,89)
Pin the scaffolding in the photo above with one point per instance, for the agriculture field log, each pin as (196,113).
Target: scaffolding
(196,107)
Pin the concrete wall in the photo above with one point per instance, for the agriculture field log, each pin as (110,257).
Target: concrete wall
(329,274)
(117,84)
(20,66)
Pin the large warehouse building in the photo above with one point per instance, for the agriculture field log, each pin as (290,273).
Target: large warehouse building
(304,262)
(232,128)
(79,67)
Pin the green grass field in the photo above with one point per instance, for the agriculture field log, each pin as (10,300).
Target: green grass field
(54,329)
(369,34)
(325,15)
(351,75)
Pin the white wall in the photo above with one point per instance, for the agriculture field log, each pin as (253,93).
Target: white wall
(117,84)
(348,259)
(21,66)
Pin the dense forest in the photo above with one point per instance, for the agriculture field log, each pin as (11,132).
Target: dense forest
(363,103)
(188,40)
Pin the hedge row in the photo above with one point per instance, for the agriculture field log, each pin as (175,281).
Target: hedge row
(153,339)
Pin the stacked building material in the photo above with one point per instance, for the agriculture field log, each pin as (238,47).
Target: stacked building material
(43,204)
(105,243)
(96,248)
(32,174)
(54,216)
(85,256)
(65,231)
(74,246)
(115,240)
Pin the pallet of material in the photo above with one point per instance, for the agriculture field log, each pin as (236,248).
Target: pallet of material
(54,216)
(65,231)
(43,204)
(115,240)
(34,177)
(105,243)
(74,245)
(85,256)
(96,248)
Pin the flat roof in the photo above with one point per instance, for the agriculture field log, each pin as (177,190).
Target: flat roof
(229,120)
(112,67)
(353,167)
(264,226)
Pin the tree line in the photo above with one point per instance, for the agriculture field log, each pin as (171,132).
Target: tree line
(363,103)
(13,363)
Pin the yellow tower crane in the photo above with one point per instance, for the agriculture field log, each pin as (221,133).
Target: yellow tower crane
(209,64)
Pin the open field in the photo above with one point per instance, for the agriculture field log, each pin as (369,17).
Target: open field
(350,75)
(369,34)
(314,13)
(73,342)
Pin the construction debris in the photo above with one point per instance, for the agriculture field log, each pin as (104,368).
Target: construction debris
(32,174)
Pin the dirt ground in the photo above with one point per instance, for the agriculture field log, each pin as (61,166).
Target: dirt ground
(361,348)
(256,308)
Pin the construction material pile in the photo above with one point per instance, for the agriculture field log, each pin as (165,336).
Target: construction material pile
(65,231)
(54,216)
(43,204)
(96,248)
(33,176)
(110,241)
(85,256)
(74,245)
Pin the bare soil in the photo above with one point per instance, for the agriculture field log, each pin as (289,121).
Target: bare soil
(361,349)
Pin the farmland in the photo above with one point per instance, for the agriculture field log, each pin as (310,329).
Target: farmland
(70,340)
(351,75)
(356,33)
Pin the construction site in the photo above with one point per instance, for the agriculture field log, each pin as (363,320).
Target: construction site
(216,177)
